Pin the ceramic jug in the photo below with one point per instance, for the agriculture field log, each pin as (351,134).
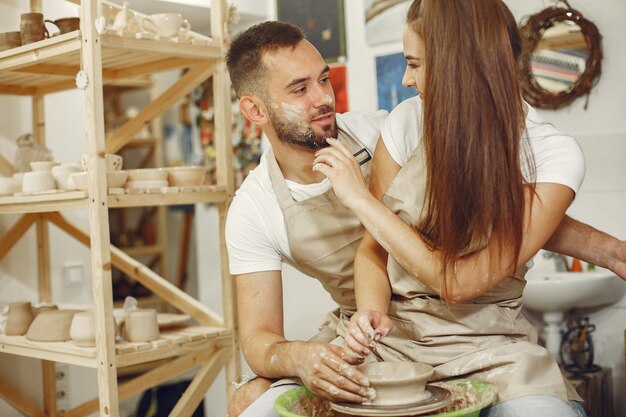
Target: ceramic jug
(10,40)
(32,28)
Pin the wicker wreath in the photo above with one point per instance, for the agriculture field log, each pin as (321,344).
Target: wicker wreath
(532,32)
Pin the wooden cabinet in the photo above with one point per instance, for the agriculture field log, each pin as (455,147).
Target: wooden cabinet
(51,65)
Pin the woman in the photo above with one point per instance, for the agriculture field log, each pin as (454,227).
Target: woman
(473,183)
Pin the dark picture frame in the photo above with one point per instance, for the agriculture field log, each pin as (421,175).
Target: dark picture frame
(322,21)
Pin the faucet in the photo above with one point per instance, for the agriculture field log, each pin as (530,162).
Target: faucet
(559,260)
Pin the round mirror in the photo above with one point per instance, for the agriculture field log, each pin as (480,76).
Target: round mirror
(561,58)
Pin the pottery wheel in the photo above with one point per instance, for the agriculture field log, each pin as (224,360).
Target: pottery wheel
(439,398)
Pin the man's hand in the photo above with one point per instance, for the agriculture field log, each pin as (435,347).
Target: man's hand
(326,374)
(365,331)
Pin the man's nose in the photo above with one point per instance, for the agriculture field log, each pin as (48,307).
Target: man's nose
(320,96)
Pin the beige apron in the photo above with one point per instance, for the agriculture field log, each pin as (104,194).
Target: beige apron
(486,339)
(323,237)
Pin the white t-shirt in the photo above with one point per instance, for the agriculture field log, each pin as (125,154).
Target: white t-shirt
(255,230)
(558,158)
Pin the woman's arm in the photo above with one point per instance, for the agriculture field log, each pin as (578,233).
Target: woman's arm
(371,284)
(470,275)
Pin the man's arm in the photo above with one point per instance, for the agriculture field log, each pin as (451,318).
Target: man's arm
(320,366)
(584,242)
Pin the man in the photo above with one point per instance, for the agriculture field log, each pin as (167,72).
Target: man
(286,213)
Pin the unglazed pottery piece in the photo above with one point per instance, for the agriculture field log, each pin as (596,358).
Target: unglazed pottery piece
(397,383)
(141,325)
(19,318)
(82,329)
(51,326)
(437,398)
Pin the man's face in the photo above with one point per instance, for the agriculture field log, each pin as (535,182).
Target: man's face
(300,99)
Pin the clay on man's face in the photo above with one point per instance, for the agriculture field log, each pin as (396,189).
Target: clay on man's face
(301,103)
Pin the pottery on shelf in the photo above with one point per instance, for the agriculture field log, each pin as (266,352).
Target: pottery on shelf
(397,383)
(141,325)
(42,308)
(82,329)
(186,176)
(19,318)
(61,174)
(51,326)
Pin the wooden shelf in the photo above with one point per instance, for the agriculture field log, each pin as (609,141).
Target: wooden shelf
(171,343)
(72,200)
(51,65)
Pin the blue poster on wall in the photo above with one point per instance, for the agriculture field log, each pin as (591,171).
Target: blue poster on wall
(389,71)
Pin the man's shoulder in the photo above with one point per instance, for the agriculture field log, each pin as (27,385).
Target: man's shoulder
(256,190)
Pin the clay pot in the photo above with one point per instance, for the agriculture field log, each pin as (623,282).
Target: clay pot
(65,25)
(19,318)
(82,330)
(51,326)
(397,383)
(141,325)
(32,28)
(10,40)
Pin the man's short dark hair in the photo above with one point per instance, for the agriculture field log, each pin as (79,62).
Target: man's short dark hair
(244,58)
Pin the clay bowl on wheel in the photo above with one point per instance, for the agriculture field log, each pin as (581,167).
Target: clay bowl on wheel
(397,383)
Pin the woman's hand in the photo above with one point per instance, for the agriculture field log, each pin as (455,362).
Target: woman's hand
(344,173)
(366,329)
(327,375)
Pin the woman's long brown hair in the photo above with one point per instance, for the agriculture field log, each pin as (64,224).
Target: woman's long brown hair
(473,124)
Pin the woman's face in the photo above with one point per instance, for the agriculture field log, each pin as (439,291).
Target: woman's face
(414,53)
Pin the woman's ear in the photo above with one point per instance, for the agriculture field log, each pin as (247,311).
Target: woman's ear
(253,109)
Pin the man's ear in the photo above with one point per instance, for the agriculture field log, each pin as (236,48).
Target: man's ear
(253,109)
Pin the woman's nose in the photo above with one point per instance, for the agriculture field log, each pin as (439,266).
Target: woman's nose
(407,80)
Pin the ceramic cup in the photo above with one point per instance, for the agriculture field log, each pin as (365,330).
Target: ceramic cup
(32,28)
(167,25)
(9,40)
(39,166)
(19,318)
(141,325)
(65,25)
(8,186)
(397,383)
(82,330)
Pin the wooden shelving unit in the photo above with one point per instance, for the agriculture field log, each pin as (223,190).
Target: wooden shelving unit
(211,345)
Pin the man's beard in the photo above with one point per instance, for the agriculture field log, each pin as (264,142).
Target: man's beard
(301,133)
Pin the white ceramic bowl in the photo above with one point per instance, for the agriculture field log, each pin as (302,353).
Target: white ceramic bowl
(397,383)
(61,174)
(37,181)
(42,165)
(8,186)
(77,181)
(116,179)
(114,162)
(147,174)
(186,176)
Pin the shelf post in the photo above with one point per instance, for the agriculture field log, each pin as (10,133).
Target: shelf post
(99,212)
(224,177)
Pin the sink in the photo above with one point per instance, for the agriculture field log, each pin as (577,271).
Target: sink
(553,293)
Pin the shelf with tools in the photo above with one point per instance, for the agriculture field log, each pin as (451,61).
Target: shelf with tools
(91,60)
